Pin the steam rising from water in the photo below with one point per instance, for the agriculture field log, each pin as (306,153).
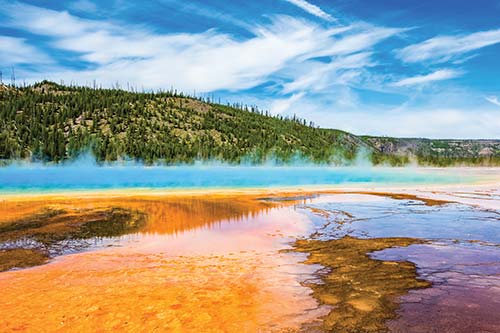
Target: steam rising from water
(86,174)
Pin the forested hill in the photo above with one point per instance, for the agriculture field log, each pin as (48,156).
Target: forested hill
(50,122)
(439,152)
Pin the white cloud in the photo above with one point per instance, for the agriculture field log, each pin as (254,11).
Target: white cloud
(283,52)
(493,100)
(439,75)
(365,38)
(429,121)
(206,61)
(319,76)
(282,105)
(15,51)
(351,55)
(424,122)
(444,48)
(312,9)
(48,22)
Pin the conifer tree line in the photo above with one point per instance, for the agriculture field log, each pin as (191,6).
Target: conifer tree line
(52,122)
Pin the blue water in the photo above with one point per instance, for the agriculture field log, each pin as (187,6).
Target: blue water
(38,178)
(406,218)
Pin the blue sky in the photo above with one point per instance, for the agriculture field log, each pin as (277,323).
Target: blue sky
(388,67)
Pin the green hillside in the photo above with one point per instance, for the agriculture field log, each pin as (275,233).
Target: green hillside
(50,122)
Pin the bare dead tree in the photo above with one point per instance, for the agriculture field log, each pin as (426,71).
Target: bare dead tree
(13,77)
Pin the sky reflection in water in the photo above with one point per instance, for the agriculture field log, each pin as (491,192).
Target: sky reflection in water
(463,268)
(462,259)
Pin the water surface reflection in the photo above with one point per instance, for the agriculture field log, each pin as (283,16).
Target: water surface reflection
(460,256)
(196,263)
(218,262)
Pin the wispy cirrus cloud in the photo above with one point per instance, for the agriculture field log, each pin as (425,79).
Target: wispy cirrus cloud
(42,21)
(206,61)
(312,9)
(430,121)
(16,51)
(364,37)
(493,100)
(444,48)
(345,75)
(284,104)
(315,76)
(351,55)
(439,75)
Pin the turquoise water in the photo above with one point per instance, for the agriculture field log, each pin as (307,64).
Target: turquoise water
(38,178)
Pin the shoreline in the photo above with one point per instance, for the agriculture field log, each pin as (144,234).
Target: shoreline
(473,186)
(444,192)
